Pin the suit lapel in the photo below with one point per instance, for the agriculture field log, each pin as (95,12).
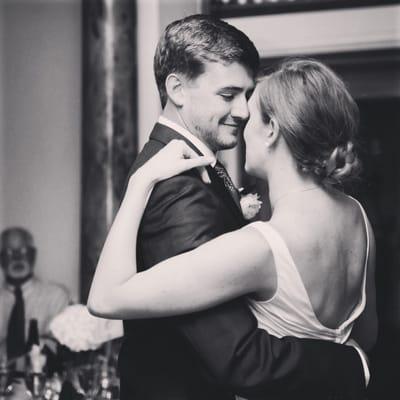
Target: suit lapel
(164,135)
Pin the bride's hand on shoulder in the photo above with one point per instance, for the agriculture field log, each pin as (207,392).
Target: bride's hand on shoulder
(175,158)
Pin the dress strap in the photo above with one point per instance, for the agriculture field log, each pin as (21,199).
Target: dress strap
(276,243)
(290,283)
(365,218)
(358,310)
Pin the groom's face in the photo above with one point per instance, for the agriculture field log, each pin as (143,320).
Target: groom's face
(215,107)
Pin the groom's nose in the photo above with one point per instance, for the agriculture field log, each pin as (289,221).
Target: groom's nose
(240,109)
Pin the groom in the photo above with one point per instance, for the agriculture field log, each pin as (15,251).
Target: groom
(205,71)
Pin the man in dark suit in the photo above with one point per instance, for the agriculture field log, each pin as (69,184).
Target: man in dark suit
(205,71)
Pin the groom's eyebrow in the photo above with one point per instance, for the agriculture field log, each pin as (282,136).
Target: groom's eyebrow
(236,89)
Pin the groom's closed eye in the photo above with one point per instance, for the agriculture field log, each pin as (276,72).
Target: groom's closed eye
(227,97)
(230,92)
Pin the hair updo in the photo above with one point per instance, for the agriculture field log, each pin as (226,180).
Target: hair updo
(317,117)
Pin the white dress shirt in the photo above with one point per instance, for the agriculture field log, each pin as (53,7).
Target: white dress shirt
(42,301)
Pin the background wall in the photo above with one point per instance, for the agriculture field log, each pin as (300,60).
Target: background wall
(41,78)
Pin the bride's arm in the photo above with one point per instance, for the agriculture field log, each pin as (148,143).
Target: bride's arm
(117,262)
(229,266)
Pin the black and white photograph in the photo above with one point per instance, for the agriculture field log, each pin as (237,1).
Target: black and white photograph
(199,199)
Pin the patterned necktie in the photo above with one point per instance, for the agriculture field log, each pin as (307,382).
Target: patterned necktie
(223,174)
(16,327)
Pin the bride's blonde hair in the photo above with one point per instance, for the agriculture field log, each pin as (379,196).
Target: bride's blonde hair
(317,117)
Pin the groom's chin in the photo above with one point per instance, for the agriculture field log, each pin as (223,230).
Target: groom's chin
(228,141)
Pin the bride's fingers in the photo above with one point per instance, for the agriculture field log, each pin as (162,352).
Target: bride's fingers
(204,175)
(177,157)
(192,160)
(187,151)
(199,161)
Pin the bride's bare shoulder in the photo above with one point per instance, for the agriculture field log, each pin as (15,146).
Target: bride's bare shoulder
(321,215)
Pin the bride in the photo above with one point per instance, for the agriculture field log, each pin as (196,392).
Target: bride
(307,272)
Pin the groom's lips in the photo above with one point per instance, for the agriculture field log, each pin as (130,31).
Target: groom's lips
(237,128)
(233,124)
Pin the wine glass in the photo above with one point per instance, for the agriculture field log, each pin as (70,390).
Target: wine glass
(3,377)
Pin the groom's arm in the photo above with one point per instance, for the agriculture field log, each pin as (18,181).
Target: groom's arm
(182,215)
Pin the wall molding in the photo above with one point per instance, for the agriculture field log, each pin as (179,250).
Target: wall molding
(229,10)
(320,32)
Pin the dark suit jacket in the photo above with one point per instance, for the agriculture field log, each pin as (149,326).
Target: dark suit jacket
(211,355)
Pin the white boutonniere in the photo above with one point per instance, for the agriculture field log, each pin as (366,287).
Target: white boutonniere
(250,204)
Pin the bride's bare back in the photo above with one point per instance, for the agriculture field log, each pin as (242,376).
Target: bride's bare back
(326,236)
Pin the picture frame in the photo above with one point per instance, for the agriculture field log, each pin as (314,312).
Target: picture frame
(238,8)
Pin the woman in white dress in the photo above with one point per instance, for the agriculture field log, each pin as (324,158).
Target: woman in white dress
(308,271)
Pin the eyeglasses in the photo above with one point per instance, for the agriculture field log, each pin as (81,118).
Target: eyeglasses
(26,252)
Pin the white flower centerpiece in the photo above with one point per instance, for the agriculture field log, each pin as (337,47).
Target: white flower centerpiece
(78,330)
(85,359)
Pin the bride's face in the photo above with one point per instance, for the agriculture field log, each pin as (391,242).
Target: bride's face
(254,137)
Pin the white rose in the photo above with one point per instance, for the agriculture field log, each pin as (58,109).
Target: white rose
(251,205)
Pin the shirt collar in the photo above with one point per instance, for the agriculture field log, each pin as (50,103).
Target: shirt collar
(25,287)
(189,136)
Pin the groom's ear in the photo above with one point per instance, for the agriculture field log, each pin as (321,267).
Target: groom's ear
(175,90)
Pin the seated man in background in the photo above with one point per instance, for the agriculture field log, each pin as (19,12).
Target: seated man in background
(24,297)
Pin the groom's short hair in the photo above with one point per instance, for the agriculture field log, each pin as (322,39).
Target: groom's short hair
(189,42)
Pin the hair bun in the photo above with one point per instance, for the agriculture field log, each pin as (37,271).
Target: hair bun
(343,164)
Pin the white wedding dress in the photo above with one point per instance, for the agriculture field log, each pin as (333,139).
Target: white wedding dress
(289,312)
